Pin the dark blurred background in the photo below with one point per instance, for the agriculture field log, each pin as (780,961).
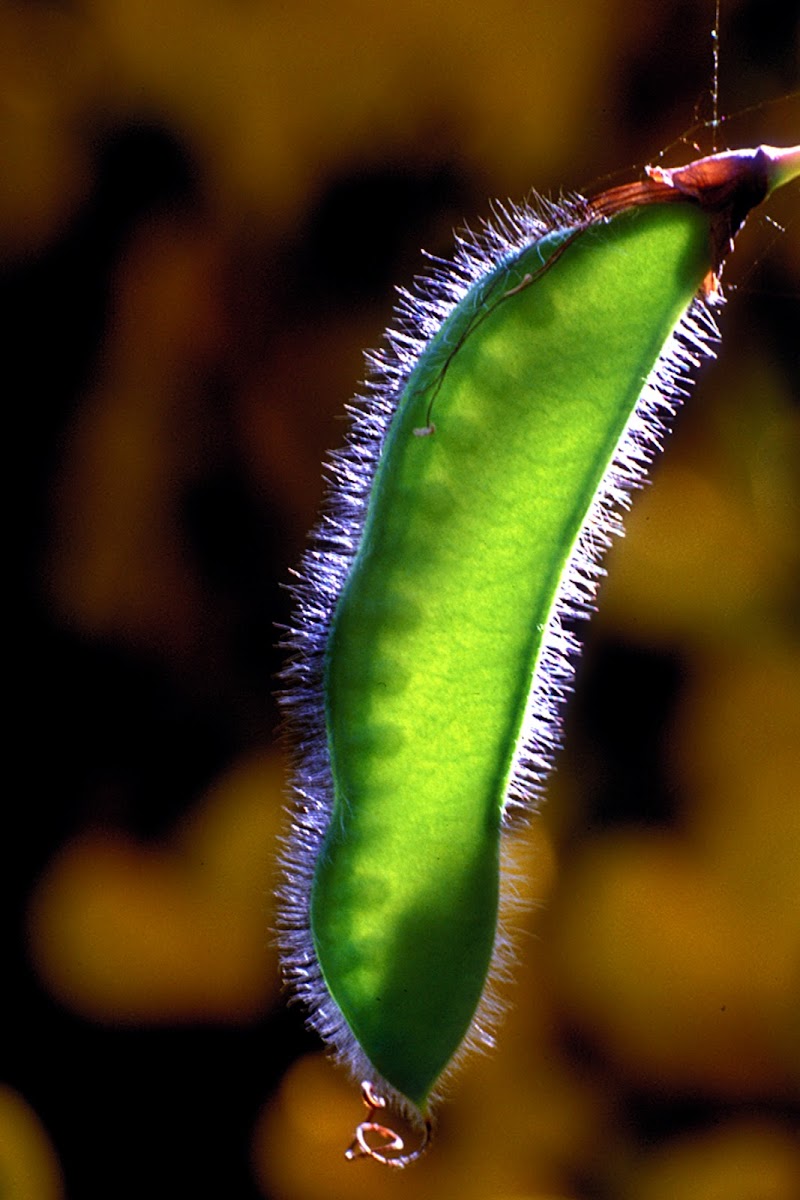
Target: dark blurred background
(203,211)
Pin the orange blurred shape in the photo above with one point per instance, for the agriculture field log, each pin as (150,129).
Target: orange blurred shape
(232,835)
(119,563)
(737,1161)
(29,1169)
(738,750)
(124,933)
(695,563)
(49,68)
(674,977)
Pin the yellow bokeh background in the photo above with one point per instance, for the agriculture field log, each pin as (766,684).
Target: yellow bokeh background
(203,209)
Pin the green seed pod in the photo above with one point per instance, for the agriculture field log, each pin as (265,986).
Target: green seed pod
(518,404)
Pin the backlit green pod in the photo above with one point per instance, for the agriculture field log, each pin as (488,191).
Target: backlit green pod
(482,480)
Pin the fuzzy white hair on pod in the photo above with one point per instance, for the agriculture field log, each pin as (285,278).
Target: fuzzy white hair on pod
(334,544)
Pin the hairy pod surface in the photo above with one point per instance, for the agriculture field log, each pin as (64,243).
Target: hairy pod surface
(518,403)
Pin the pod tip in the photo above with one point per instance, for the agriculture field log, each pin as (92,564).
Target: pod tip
(390,1151)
